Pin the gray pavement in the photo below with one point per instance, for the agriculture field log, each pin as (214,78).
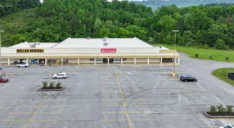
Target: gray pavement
(97,97)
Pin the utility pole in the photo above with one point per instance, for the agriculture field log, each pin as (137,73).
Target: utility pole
(175,31)
(1,47)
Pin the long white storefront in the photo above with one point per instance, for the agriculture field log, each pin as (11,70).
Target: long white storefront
(90,51)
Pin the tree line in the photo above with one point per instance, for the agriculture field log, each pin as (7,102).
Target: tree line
(205,25)
(55,20)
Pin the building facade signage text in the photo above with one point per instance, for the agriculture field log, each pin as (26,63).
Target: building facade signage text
(108,50)
(30,50)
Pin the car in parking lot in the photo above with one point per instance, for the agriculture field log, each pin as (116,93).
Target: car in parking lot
(228,126)
(3,80)
(61,75)
(186,77)
(22,64)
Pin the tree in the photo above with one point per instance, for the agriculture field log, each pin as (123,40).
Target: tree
(206,25)
(166,10)
(212,109)
(220,44)
(168,39)
(188,38)
(215,32)
(197,20)
(108,24)
(229,108)
(215,11)
(230,10)
(104,32)
(220,108)
(97,24)
(166,23)
(122,32)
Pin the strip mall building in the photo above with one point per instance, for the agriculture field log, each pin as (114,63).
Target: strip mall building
(83,51)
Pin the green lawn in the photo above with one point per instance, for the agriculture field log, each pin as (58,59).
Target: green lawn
(222,74)
(219,55)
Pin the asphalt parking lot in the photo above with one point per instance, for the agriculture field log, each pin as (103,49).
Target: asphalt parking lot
(114,97)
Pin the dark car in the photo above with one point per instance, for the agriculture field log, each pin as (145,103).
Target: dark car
(15,62)
(186,78)
(3,80)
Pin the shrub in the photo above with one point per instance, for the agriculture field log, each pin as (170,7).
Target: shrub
(212,109)
(210,57)
(205,46)
(196,55)
(220,44)
(227,58)
(44,84)
(220,108)
(58,85)
(229,108)
(51,84)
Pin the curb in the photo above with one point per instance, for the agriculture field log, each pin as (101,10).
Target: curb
(52,89)
(218,116)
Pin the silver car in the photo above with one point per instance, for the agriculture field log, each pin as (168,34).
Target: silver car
(228,126)
(61,75)
(23,64)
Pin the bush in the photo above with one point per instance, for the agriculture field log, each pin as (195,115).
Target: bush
(196,55)
(210,57)
(220,44)
(229,108)
(51,84)
(44,84)
(212,109)
(227,58)
(58,85)
(220,108)
(205,46)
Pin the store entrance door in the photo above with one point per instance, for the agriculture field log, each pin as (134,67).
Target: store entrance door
(105,60)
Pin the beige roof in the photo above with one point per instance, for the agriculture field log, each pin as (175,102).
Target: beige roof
(99,43)
(91,43)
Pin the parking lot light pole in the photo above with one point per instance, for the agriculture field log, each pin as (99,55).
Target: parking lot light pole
(1,47)
(175,31)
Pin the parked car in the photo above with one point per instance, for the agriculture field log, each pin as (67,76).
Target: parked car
(3,80)
(186,77)
(22,64)
(61,75)
(228,126)
(15,62)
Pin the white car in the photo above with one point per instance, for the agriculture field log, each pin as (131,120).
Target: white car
(23,64)
(61,75)
(228,126)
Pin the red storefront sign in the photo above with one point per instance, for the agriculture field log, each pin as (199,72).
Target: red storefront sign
(108,50)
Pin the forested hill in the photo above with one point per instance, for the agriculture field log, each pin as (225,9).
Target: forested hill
(11,6)
(56,20)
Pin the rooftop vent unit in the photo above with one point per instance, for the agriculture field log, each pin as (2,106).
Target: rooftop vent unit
(88,37)
(32,45)
(105,44)
(105,41)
